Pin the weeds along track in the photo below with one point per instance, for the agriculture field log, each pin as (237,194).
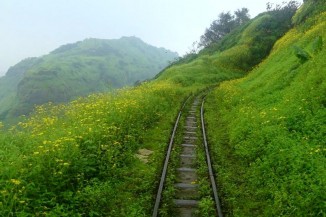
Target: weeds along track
(187,185)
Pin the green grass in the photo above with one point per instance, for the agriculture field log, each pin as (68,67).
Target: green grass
(268,132)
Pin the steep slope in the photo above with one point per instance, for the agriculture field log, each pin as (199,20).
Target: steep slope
(267,130)
(78,69)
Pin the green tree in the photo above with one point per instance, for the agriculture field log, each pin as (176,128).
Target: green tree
(225,23)
(241,16)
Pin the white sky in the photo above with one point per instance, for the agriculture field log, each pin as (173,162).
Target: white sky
(31,28)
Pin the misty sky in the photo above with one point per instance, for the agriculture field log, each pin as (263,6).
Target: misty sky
(35,27)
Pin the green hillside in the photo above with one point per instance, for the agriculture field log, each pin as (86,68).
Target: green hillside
(78,69)
(8,85)
(268,131)
(265,121)
(234,55)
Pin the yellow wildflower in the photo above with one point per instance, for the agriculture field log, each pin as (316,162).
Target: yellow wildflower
(15,181)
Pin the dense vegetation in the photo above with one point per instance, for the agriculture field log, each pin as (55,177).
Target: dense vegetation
(266,131)
(225,23)
(79,158)
(78,69)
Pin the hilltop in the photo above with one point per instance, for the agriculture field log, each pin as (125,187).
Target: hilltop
(78,69)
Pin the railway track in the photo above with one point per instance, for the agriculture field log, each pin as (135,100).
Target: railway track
(192,141)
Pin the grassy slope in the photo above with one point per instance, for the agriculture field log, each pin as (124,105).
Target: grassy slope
(233,57)
(267,131)
(79,69)
(80,157)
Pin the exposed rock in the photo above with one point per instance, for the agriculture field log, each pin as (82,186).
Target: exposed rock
(143,154)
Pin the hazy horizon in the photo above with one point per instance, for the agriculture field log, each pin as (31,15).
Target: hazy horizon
(34,28)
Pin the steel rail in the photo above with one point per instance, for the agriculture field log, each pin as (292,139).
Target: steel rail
(209,164)
(166,162)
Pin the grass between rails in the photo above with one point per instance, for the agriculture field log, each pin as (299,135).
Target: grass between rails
(267,130)
(206,206)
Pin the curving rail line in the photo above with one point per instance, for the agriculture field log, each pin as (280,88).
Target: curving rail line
(190,203)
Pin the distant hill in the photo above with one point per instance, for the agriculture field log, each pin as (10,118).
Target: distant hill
(78,69)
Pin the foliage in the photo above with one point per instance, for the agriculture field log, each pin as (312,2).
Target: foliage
(206,207)
(308,10)
(301,54)
(225,23)
(284,9)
